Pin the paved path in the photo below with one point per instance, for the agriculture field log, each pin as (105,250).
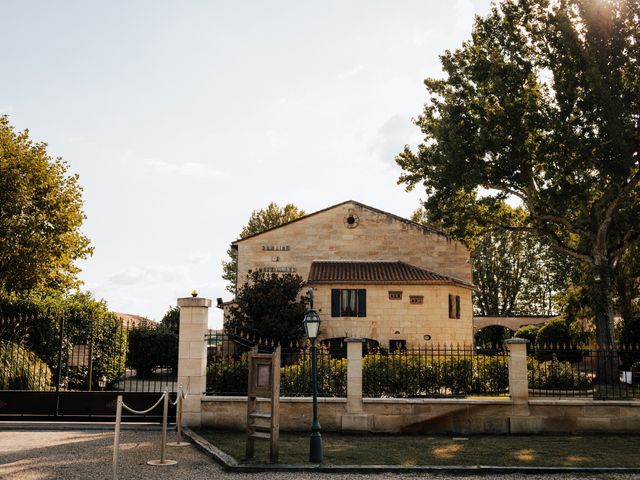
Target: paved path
(87,455)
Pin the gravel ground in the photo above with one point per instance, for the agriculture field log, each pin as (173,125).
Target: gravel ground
(87,455)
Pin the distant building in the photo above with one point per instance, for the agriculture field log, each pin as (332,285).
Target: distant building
(375,275)
(135,321)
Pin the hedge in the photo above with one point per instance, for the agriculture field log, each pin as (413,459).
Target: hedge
(21,369)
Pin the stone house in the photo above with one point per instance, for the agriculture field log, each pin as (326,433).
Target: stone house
(375,275)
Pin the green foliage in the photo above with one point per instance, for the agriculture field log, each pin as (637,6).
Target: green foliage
(259,221)
(295,380)
(528,332)
(151,348)
(517,273)
(171,320)
(556,374)
(269,306)
(86,321)
(492,337)
(21,369)
(40,216)
(397,375)
(630,340)
(554,333)
(230,376)
(540,105)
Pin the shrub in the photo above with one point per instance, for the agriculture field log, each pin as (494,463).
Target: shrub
(21,369)
(556,375)
(528,332)
(630,340)
(399,375)
(554,333)
(555,338)
(295,379)
(151,348)
(228,376)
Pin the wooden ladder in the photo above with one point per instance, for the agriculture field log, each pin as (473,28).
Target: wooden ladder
(263,425)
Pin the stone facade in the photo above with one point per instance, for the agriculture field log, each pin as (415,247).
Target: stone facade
(352,231)
(412,322)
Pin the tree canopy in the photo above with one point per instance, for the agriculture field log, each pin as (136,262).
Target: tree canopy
(542,104)
(259,221)
(40,216)
(269,306)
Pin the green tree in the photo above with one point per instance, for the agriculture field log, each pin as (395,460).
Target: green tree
(516,272)
(260,220)
(542,104)
(270,306)
(171,320)
(40,216)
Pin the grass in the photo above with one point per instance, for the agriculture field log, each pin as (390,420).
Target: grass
(408,450)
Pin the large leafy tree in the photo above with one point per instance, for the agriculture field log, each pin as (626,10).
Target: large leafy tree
(40,216)
(259,221)
(542,104)
(270,306)
(516,272)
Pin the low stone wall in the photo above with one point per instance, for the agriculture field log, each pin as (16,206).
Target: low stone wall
(439,416)
(295,413)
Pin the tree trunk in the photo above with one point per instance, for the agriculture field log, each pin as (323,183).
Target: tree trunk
(608,365)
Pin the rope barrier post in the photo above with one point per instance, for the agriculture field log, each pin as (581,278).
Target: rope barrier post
(116,438)
(163,439)
(179,443)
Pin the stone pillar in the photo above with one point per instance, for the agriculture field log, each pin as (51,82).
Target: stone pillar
(519,422)
(192,356)
(355,419)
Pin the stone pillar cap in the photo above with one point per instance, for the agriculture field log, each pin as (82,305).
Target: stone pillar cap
(354,340)
(516,341)
(194,302)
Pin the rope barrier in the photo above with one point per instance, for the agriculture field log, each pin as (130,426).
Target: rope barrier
(180,396)
(163,442)
(144,412)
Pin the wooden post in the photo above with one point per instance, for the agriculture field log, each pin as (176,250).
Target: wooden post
(275,407)
(252,404)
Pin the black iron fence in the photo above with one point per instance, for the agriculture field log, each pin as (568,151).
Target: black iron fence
(438,371)
(428,372)
(227,367)
(569,371)
(58,353)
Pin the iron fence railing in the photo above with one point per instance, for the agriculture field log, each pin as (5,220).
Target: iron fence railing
(72,353)
(227,367)
(569,371)
(438,371)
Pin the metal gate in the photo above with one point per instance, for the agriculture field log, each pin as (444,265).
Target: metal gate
(73,368)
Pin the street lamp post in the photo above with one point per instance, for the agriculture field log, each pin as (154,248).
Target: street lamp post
(312,326)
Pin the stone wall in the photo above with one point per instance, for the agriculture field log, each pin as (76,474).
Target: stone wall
(436,416)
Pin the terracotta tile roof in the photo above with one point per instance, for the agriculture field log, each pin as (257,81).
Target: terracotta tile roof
(376,273)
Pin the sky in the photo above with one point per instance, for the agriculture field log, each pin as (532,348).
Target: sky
(183,117)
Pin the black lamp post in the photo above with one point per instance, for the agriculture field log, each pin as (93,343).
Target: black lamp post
(312,326)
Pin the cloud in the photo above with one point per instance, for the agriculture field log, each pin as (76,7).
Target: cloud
(151,275)
(189,169)
(392,136)
(352,72)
